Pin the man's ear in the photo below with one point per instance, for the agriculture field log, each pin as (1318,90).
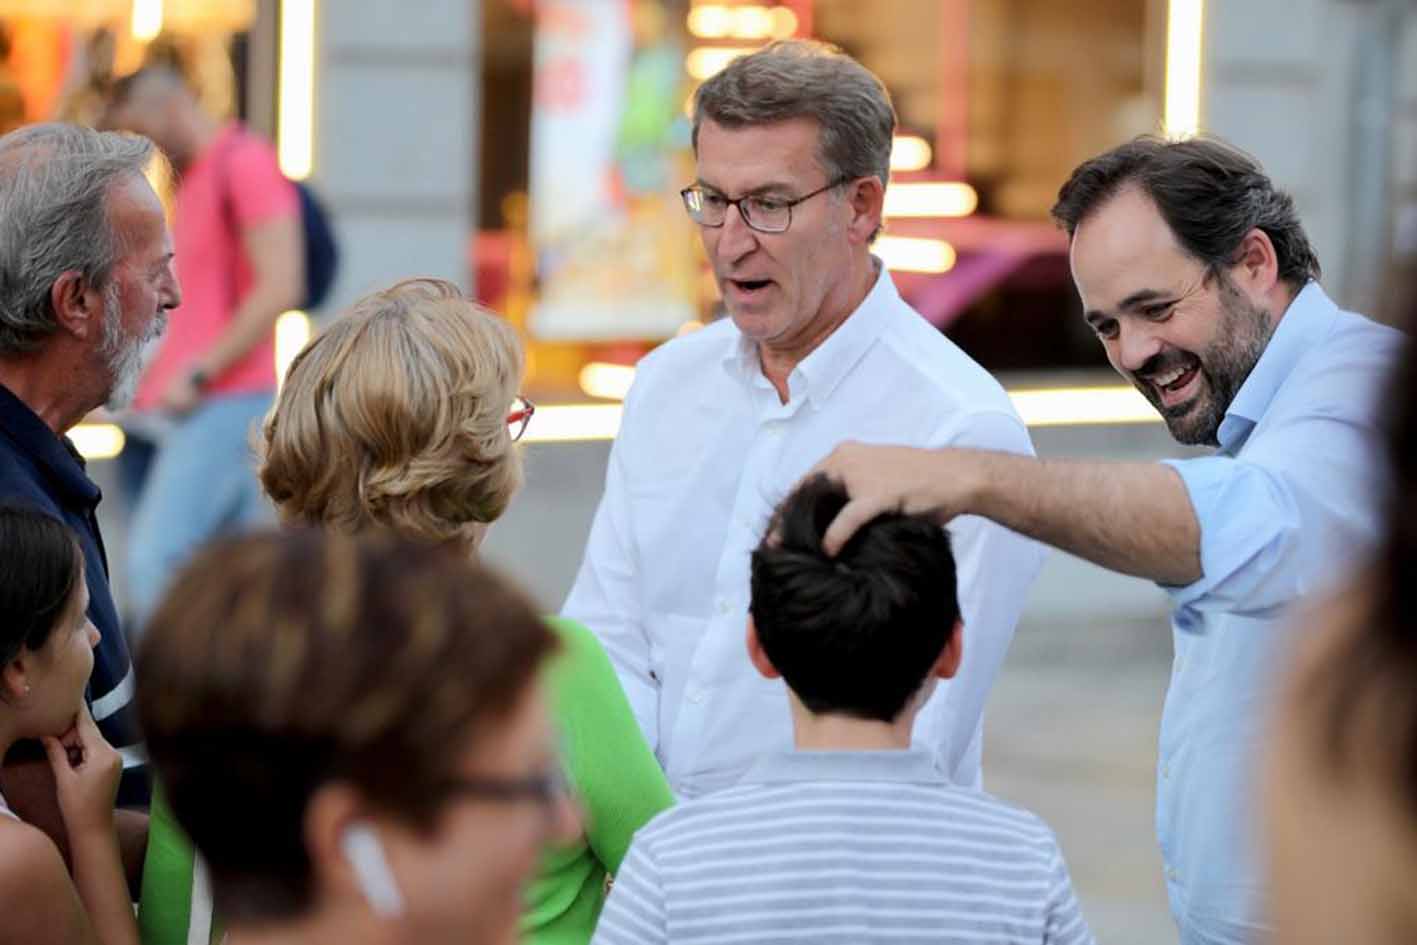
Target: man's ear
(948,664)
(867,198)
(78,307)
(1257,263)
(756,654)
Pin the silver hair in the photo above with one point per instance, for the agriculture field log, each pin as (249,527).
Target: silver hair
(55,181)
(806,79)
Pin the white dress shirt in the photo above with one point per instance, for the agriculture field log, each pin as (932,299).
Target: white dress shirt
(706,450)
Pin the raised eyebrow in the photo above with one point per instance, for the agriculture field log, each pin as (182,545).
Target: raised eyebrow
(777,187)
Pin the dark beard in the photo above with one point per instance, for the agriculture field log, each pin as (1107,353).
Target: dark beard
(1241,337)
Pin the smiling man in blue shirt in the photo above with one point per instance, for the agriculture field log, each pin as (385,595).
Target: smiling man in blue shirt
(1197,277)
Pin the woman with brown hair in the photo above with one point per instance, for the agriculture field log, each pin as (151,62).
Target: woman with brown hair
(352,731)
(1340,779)
(404,415)
(46,656)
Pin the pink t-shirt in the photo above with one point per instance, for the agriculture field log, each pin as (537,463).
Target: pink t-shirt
(235,184)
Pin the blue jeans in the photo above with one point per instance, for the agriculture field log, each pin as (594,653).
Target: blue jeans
(202,484)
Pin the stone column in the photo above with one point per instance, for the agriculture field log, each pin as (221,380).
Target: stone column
(397,119)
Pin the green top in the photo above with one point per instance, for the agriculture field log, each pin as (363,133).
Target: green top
(617,780)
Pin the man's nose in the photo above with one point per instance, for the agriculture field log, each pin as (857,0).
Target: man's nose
(172,294)
(736,238)
(1136,345)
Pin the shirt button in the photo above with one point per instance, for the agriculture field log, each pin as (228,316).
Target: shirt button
(1165,772)
(1171,873)
(723,606)
(695,695)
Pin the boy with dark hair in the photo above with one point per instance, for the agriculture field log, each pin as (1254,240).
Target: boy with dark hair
(853,836)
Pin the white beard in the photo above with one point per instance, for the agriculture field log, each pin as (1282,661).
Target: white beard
(124,356)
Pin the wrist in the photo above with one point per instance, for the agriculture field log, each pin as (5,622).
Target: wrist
(92,827)
(980,476)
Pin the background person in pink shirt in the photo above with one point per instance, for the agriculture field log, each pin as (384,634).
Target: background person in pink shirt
(240,261)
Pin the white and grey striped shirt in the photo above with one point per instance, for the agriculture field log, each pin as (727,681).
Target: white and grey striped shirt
(844,847)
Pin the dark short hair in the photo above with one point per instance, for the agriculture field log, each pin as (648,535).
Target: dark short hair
(40,567)
(283,661)
(858,633)
(1208,191)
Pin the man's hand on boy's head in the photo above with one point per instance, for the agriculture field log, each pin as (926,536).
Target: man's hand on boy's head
(882,479)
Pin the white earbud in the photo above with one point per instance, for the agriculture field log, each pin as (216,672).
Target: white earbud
(365,855)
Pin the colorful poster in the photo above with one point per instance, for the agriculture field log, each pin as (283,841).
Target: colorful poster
(609,152)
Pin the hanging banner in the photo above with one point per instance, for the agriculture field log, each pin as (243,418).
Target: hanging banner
(609,152)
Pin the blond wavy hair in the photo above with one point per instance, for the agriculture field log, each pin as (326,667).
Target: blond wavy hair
(396,416)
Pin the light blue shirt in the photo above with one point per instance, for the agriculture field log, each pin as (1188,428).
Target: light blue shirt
(1289,503)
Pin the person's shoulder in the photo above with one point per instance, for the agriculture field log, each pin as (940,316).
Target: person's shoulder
(1011,824)
(578,646)
(1346,373)
(248,146)
(1357,335)
(677,825)
(691,351)
(939,366)
(32,872)
(20,485)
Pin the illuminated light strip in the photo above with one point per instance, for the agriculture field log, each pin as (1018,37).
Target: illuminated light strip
(97,440)
(609,381)
(1083,406)
(1185,29)
(147,20)
(931,199)
(293,332)
(569,423)
(911,254)
(572,423)
(295,136)
(910,153)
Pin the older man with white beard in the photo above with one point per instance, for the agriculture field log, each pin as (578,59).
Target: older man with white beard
(85,282)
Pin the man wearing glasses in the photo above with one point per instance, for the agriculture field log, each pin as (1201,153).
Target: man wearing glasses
(793,150)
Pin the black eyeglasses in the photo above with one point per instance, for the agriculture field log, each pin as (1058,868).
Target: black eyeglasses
(546,789)
(764,214)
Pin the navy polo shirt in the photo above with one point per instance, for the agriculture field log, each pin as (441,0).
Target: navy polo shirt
(44,470)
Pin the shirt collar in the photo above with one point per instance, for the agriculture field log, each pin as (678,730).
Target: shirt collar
(915,767)
(820,372)
(1305,323)
(55,455)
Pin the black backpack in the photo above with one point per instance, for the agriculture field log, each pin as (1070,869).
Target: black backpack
(321,248)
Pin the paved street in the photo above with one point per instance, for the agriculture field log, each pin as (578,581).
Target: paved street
(1071,726)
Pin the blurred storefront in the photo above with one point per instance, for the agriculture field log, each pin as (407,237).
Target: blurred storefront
(534,148)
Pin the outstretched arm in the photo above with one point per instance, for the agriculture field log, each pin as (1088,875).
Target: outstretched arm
(1135,518)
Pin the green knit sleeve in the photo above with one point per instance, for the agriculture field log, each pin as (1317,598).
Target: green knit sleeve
(620,783)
